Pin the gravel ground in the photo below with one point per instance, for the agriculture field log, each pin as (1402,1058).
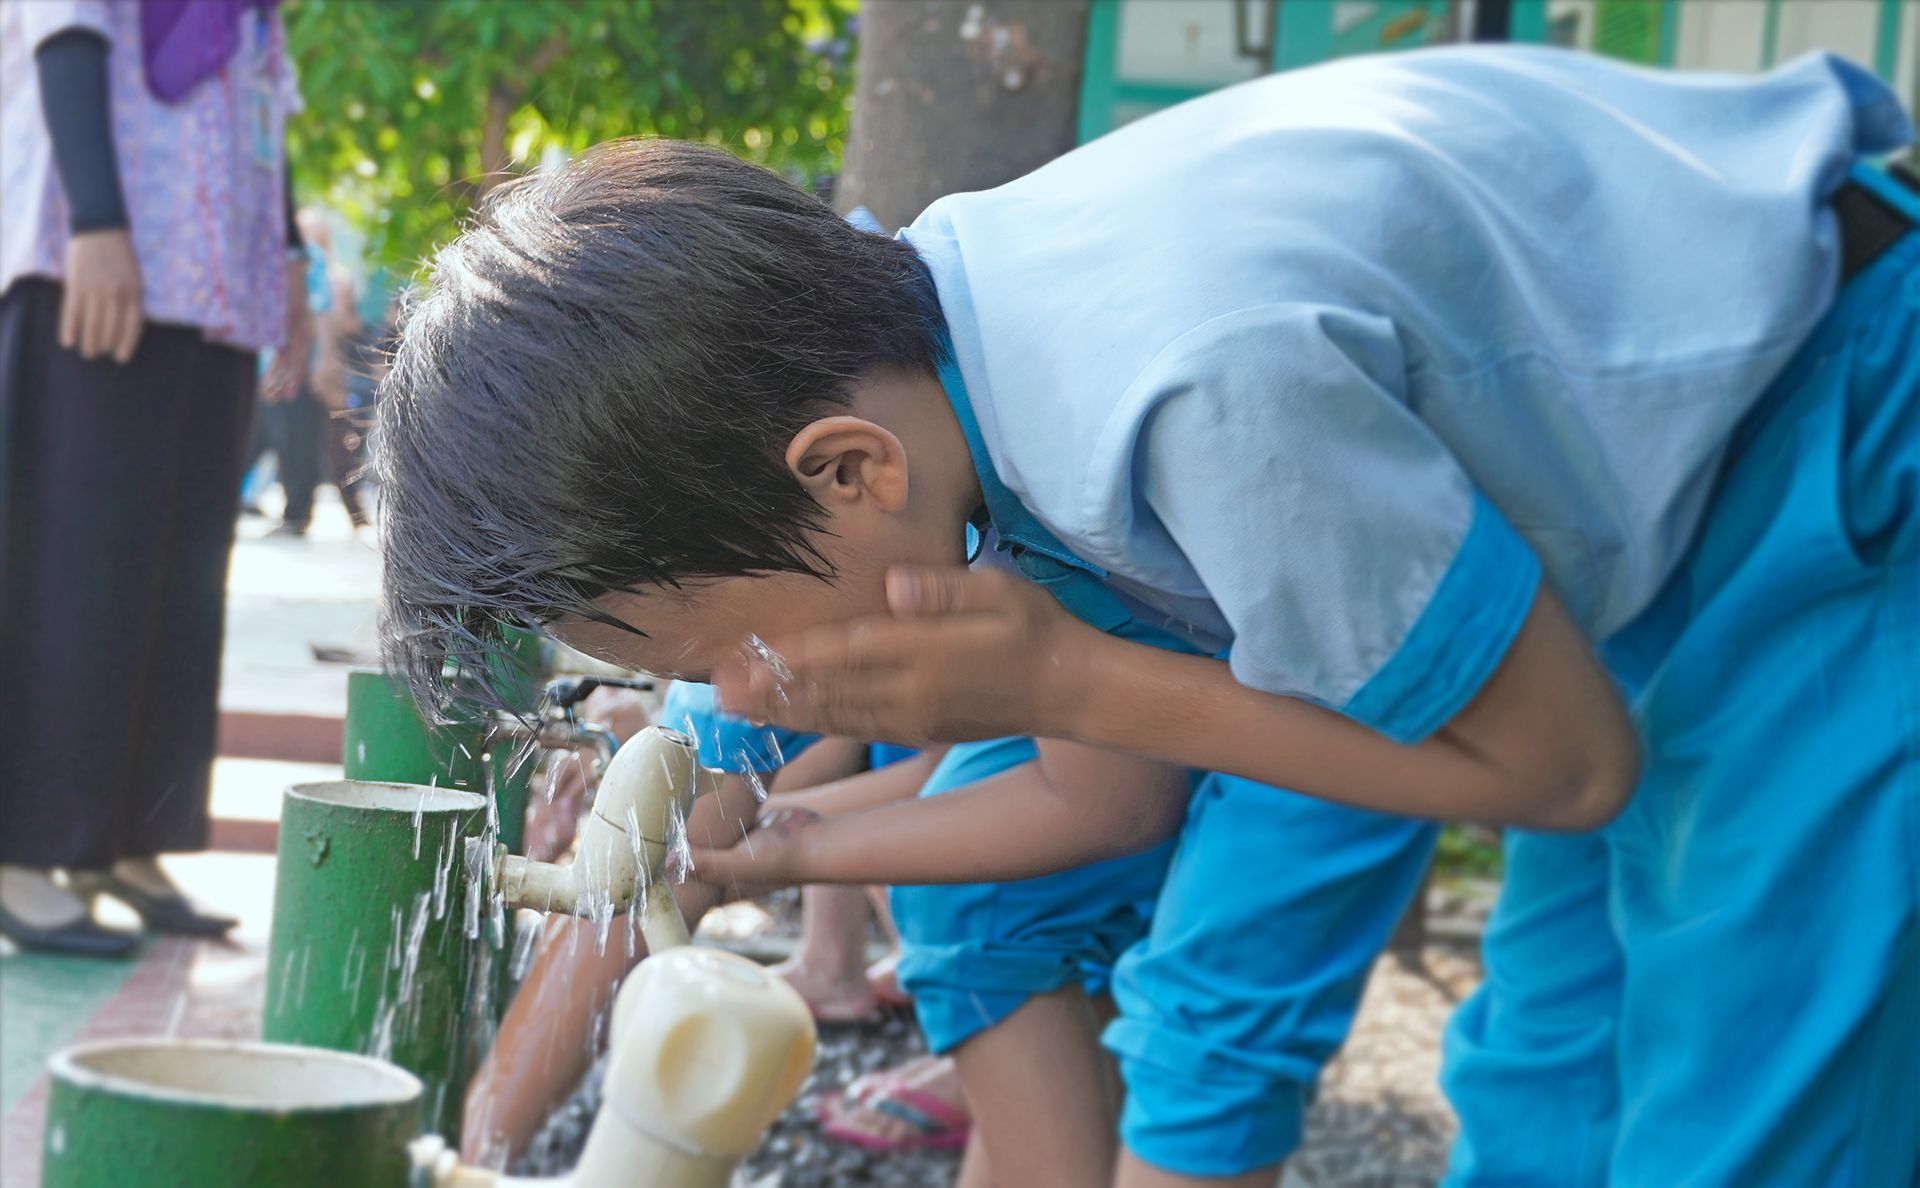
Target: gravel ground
(1379,1121)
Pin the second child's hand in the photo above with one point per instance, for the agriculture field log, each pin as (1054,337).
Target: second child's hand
(767,858)
(964,655)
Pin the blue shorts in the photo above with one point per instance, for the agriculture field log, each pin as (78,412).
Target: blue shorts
(1272,915)
(1723,986)
(881,755)
(971,954)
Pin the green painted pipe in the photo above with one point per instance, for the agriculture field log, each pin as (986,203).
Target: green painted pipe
(386,739)
(378,945)
(203,1114)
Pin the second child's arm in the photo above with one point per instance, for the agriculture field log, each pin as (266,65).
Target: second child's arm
(896,781)
(1070,806)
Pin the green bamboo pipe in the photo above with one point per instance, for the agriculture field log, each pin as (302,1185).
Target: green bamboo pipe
(166,1113)
(385,739)
(381,940)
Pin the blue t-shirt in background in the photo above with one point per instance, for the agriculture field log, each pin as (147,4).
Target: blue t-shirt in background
(729,743)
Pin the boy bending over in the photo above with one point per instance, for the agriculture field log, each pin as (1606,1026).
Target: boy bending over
(1505,432)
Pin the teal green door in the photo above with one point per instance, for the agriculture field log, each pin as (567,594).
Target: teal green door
(1143,55)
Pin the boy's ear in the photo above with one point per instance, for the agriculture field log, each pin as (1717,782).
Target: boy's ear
(842,461)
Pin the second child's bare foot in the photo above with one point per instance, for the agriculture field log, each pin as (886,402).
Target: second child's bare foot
(883,979)
(832,998)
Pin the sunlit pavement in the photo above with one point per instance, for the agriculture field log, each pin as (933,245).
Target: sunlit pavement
(285,596)
(175,986)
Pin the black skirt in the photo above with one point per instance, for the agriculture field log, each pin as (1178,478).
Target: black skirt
(118,491)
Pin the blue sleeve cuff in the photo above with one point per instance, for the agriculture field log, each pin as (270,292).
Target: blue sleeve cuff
(1459,639)
(726,742)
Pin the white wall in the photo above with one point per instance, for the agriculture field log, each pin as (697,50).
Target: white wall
(1188,42)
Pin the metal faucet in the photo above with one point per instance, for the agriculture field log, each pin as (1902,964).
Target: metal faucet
(559,728)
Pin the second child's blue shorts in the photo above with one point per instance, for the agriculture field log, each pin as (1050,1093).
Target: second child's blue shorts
(972,953)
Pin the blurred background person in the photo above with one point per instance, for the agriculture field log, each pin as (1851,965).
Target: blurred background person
(143,268)
(307,428)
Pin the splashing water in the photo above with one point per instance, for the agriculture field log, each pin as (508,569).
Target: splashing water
(679,850)
(355,970)
(416,933)
(286,980)
(441,869)
(479,864)
(637,842)
(773,749)
(419,818)
(300,994)
(522,959)
(757,649)
(754,781)
(602,917)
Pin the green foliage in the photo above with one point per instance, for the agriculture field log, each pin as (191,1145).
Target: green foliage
(415,107)
(1468,851)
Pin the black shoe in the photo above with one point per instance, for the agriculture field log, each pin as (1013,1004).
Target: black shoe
(161,913)
(82,938)
(296,531)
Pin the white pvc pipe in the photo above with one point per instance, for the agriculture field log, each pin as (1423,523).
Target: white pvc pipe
(639,812)
(707,1047)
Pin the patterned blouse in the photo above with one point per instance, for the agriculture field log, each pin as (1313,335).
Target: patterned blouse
(202,179)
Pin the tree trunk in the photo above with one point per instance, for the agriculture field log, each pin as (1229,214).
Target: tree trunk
(953,95)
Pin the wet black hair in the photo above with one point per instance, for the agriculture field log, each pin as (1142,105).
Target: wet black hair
(595,390)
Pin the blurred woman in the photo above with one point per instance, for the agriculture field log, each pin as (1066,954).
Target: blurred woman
(143,268)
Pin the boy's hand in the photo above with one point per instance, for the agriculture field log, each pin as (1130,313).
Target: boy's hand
(767,859)
(965,655)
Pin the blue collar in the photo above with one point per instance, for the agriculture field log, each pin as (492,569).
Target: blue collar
(1079,586)
(1018,529)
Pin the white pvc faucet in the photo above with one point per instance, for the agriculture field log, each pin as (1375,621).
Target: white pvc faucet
(643,801)
(707,1047)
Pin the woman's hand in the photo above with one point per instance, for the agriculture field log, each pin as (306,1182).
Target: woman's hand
(295,353)
(769,858)
(100,312)
(965,655)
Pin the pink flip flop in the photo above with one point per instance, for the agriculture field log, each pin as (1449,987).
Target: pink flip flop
(936,1124)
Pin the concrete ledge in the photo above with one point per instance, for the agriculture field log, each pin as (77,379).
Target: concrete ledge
(299,738)
(244,837)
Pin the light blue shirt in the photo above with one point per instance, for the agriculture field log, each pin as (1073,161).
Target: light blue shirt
(730,743)
(1332,366)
